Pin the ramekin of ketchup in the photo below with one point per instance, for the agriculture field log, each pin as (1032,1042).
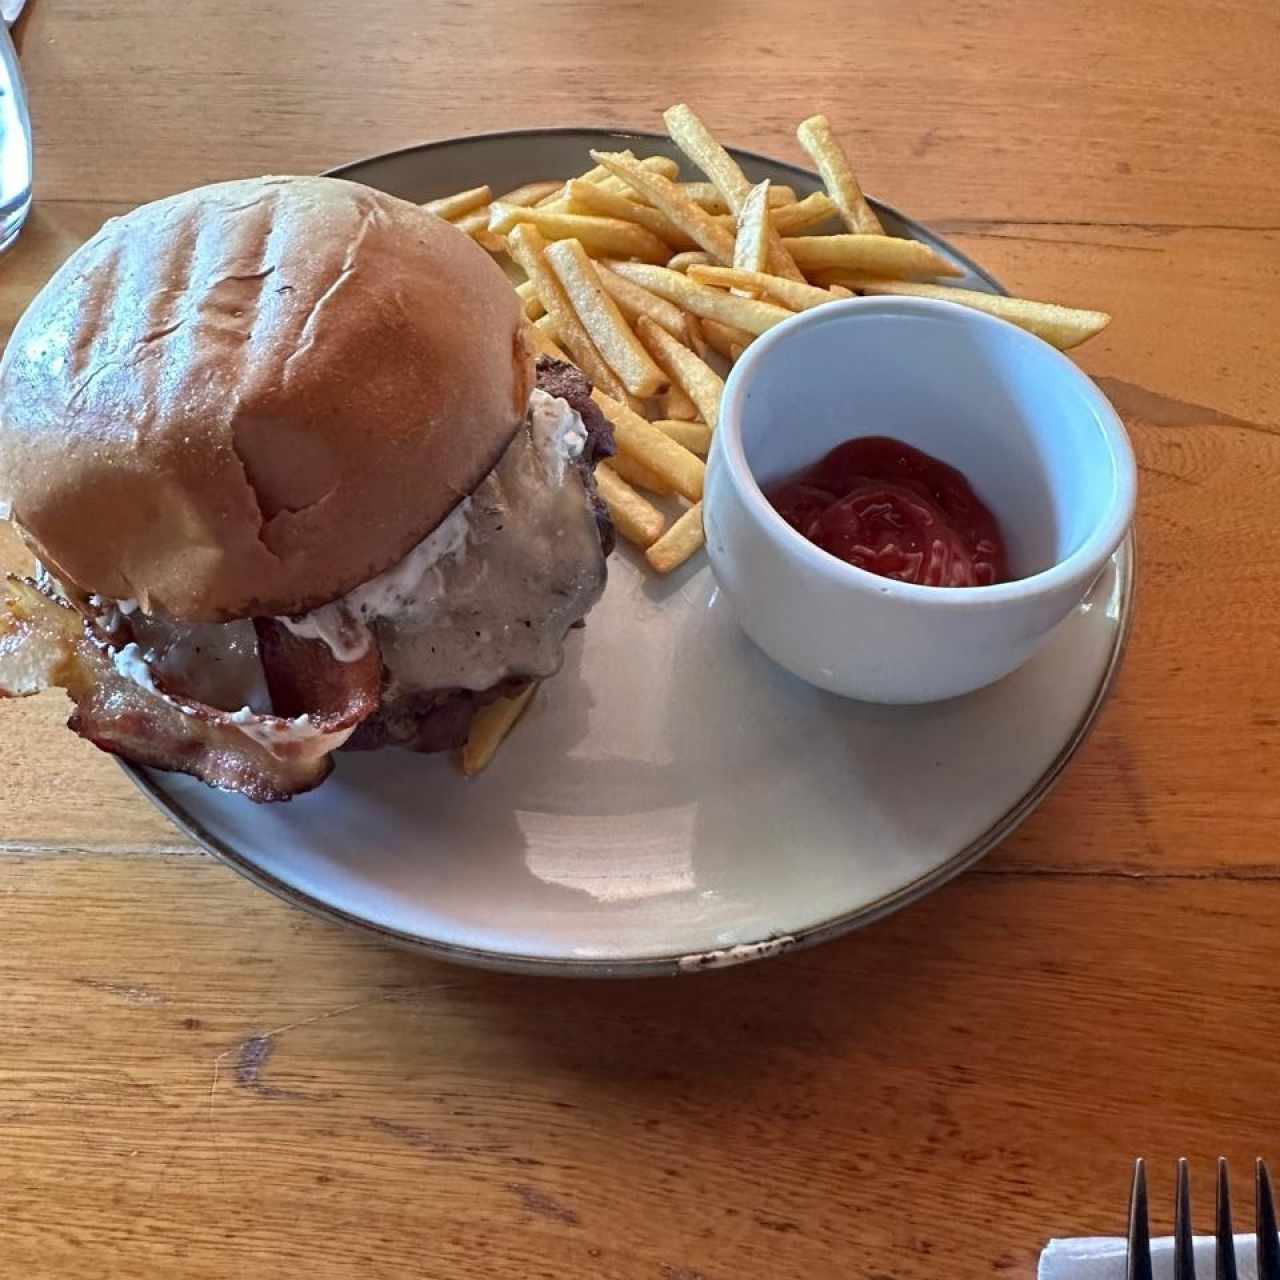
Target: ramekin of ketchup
(904,498)
(896,511)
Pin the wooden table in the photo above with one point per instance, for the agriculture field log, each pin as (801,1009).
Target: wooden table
(197,1081)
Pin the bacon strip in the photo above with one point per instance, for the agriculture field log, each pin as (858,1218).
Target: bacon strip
(43,644)
(304,677)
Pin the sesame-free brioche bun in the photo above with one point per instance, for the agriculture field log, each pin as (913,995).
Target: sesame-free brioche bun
(250,398)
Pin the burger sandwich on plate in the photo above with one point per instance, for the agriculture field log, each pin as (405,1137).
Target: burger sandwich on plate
(294,483)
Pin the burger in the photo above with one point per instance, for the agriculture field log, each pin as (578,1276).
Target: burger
(294,482)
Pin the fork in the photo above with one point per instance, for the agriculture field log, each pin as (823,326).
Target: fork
(1138,1266)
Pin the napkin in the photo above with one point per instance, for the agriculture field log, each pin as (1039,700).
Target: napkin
(1103,1257)
(11,10)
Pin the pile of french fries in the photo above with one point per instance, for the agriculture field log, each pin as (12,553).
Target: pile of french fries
(637,277)
(651,286)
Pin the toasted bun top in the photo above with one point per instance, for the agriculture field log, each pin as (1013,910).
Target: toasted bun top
(252,397)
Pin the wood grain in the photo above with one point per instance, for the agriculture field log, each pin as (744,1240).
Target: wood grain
(271,1094)
(200,1082)
(1114,113)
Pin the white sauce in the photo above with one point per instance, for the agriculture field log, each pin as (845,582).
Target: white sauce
(344,624)
(126,606)
(111,613)
(445,618)
(556,422)
(348,641)
(50,585)
(400,587)
(134,665)
(210,662)
(272,732)
(216,664)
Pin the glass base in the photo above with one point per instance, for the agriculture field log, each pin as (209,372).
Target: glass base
(11,222)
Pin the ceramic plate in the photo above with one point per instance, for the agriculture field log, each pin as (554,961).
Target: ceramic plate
(673,801)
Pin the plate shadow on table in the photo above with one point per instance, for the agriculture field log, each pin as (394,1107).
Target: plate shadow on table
(726,1033)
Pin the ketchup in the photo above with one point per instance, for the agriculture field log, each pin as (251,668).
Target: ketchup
(892,510)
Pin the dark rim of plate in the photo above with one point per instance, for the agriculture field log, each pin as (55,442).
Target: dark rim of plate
(644,966)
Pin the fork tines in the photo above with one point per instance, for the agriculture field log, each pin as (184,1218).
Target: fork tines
(1226,1250)
(1268,1247)
(1138,1265)
(1184,1252)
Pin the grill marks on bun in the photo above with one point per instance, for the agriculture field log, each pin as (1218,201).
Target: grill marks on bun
(250,398)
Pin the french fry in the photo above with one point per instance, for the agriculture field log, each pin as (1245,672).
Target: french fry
(644,442)
(655,164)
(476,223)
(812,211)
(1062,327)
(724,338)
(528,295)
(679,542)
(697,142)
(527,248)
(602,236)
(640,522)
(677,405)
(751,245)
(885,256)
(788,293)
(532,192)
(638,475)
(594,198)
(454,206)
(700,382)
(663,194)
(595,175)
(633,301)
(695,436)
(600,176)
(545,345)
(604,323)
(695,339)
(546,326)
(489,728)
(695,257)
(790,219)
(476,220)
(837,176)
(712,304)
(705,194)
(661,165)
(560,196)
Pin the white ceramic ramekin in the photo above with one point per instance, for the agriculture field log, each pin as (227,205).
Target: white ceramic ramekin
(1034,436)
